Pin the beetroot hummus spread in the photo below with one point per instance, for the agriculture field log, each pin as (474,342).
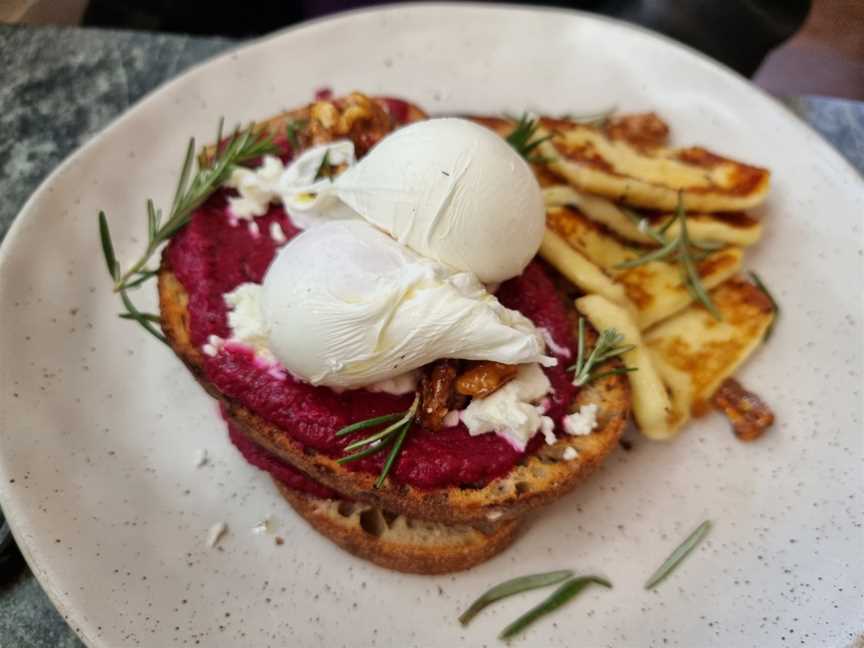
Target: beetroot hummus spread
(211,257)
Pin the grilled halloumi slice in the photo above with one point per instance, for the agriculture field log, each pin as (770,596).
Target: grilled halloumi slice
(652,408)
(694,353)
(580,271)
(731,228)
(649,176)
(656,289)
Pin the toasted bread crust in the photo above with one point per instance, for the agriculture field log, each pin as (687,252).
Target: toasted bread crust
(398,542)
(538,479)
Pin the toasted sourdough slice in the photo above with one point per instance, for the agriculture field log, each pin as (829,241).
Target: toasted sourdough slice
(694,353)
(649,175)
(732,228)
(656,288)
(539,478)
(397,541)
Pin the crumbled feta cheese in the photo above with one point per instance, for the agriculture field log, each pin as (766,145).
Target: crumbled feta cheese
(397,385)
(257,188)
(262,527)
(547,427)
(451,419)
(217,531)
(553,346)
(582,422)
(509,411)
(493,515)
(570,453)
(277,234)
(245,317)
(213,345)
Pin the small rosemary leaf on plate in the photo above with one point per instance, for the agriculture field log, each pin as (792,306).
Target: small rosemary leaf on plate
(367,423)
(183,180)
(108,247)
(511,587)
(678,555)
(555,600)
(142,276)
(761,286)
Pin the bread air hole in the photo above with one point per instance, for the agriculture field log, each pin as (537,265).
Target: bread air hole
(372,522)
(346,509)
(522,487)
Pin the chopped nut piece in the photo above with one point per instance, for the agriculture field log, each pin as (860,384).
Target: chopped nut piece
(436,390)
(485,378)
(749,415)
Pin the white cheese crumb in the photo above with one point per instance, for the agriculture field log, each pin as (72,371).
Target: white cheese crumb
(246,318)
(582,422)
(547,427)
(397,385)
(212,346)
(200,457)
(277,234)
(451,419)
(257,189)
(254,230)
(493,515)
(553,346)
(570,453)
(509,411)
(217,531)
(262,527)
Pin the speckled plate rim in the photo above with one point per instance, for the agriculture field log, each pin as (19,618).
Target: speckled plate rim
(18,517)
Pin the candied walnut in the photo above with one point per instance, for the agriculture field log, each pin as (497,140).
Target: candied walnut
(642,130)
(484,378)
(436,392)
(356,117)
(748,413)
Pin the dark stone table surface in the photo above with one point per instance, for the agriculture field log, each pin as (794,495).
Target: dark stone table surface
(59,87)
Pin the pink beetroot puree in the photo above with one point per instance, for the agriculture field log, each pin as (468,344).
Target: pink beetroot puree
(287,474)
(211,257)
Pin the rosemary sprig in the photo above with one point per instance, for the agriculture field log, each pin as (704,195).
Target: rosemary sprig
(680,249)
(292,132)
(679,554)
(554,601)
(511,587)
(522,138)
(761,286)
(608,346)
(192,190)
(393,434)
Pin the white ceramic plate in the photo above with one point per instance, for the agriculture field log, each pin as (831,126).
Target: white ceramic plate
(100,424)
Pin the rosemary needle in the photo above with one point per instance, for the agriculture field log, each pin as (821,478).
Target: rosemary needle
(678,555)
(555,600)
(511,587)
(761,286)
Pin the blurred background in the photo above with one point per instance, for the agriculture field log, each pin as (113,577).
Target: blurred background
(789,47)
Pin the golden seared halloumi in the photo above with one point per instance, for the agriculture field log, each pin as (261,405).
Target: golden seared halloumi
(593,161)
(731,228)
(694,353)
(656,289)
(652,408)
